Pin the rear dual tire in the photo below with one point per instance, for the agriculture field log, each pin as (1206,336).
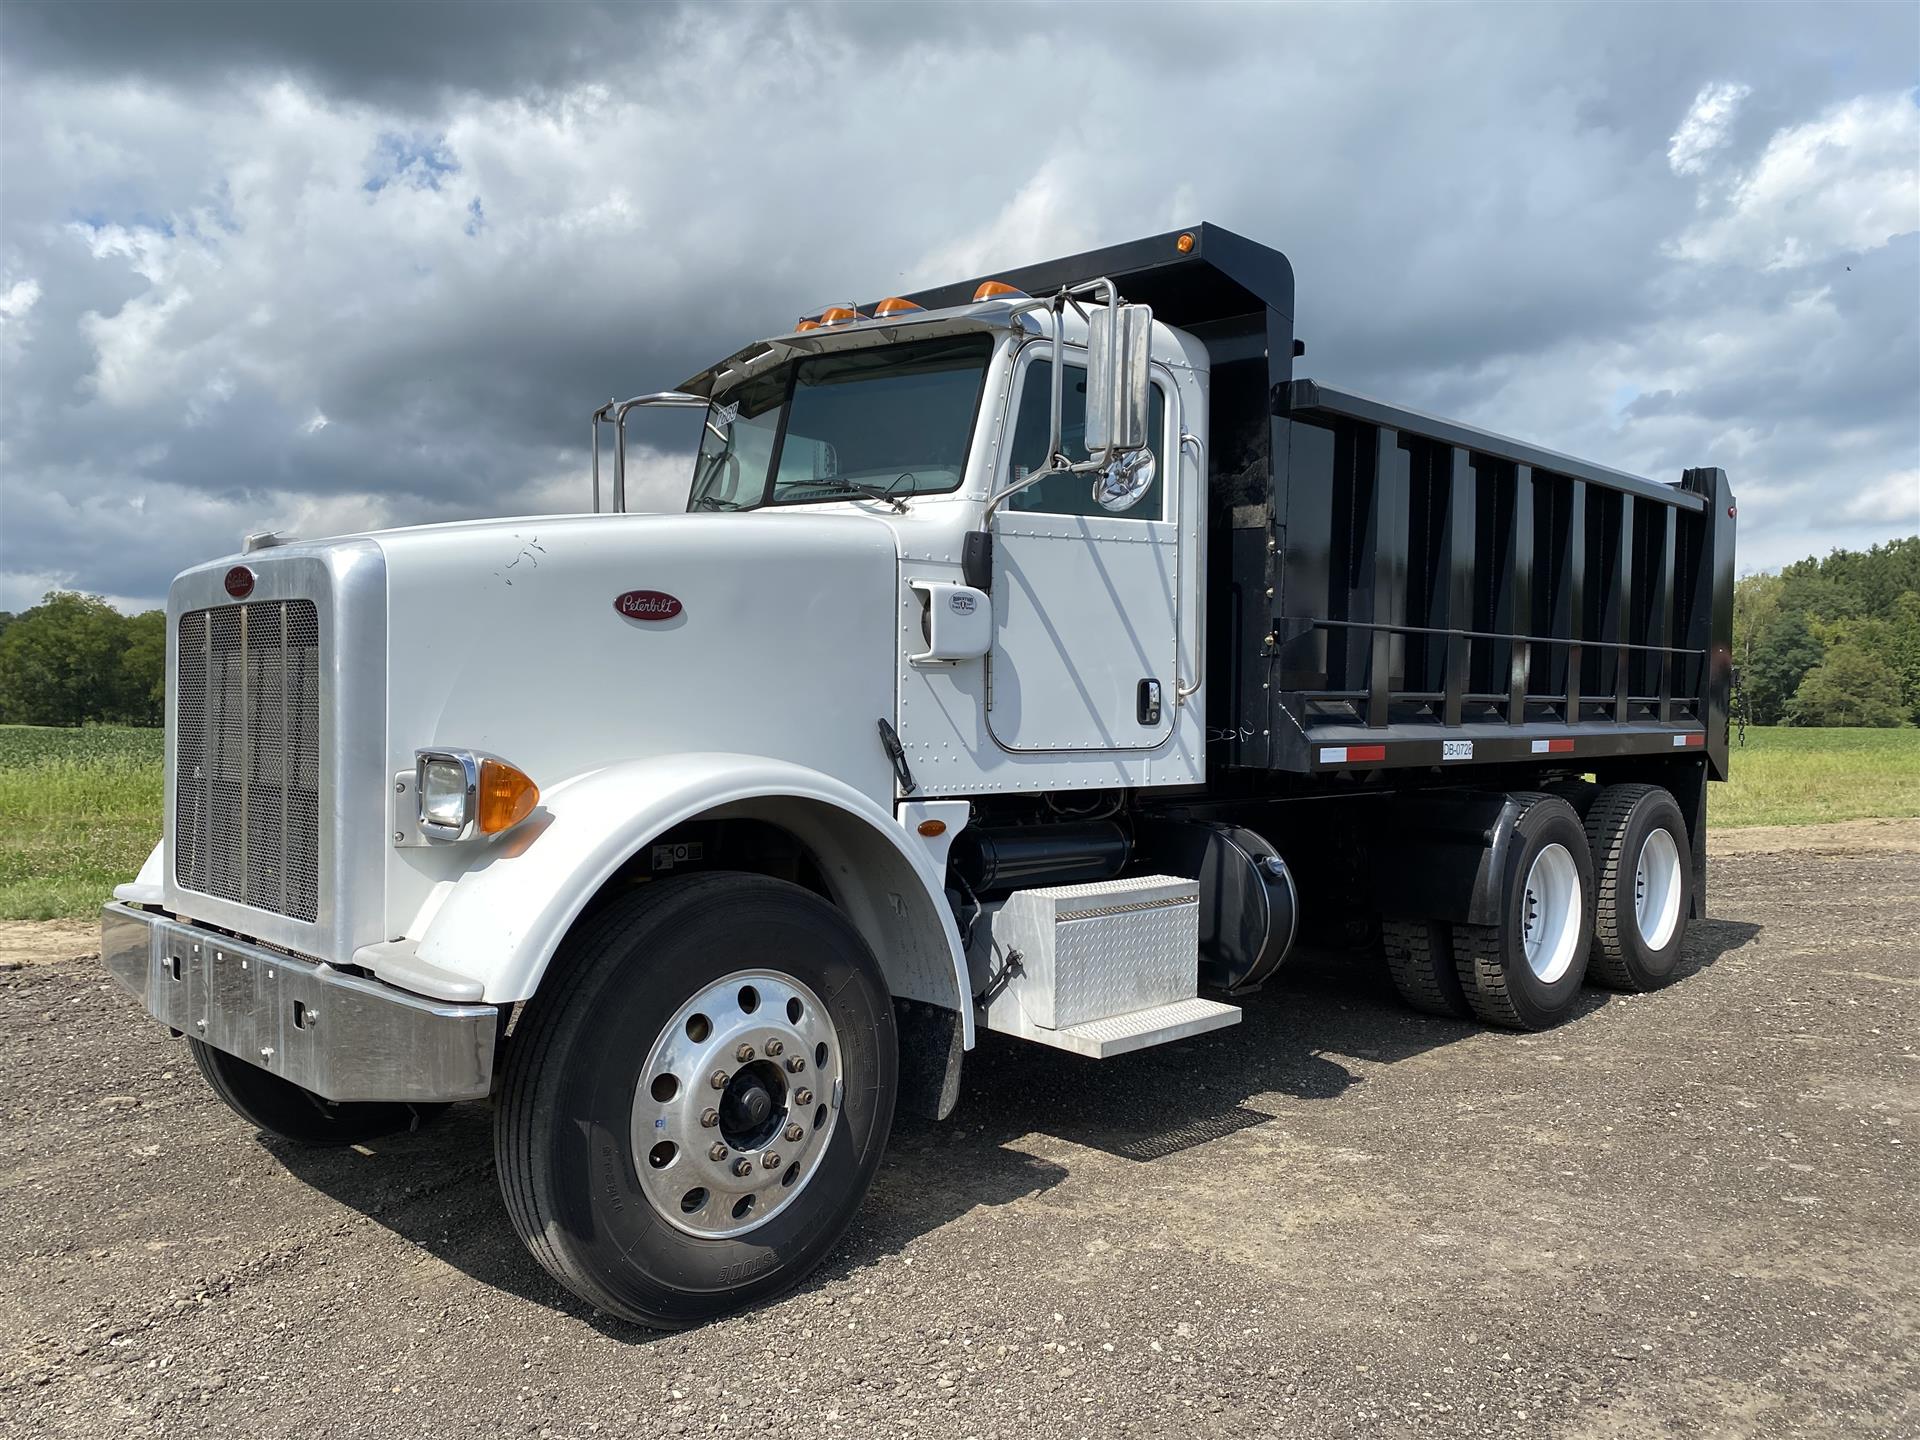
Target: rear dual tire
(1420,960)
(1524,971)
(1637,838)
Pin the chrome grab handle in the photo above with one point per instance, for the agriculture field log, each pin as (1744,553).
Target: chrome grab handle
(1182,690)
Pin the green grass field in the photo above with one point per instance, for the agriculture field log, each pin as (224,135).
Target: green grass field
(1803,777)
(80,809)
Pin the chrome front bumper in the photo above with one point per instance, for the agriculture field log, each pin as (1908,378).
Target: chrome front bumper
(338,1035)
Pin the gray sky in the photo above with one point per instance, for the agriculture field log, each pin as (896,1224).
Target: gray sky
(331,267)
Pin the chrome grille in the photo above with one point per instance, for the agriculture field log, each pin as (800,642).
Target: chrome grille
(246,715)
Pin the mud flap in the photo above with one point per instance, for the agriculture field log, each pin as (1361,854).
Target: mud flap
(931,1047)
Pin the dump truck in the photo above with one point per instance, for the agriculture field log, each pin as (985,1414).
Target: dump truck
(1037,654)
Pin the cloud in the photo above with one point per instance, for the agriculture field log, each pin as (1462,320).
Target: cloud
(303,266)
(1705,128)
(1894,500)
(1844,183)
(17,299)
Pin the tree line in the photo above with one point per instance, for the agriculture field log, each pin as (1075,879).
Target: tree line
(1833,641)
(74,659)
(1823,642)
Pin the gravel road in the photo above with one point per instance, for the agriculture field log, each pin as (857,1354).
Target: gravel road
(1694,1213)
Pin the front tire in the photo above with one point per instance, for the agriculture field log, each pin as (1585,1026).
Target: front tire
(285,1110)
(697,1101)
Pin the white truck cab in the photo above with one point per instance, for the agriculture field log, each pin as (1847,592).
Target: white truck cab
(699,840)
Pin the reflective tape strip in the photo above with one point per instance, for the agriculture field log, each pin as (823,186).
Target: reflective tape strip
(1552,747)
(1351,754)
(1695,738)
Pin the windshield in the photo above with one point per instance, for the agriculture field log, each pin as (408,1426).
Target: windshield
(895,420)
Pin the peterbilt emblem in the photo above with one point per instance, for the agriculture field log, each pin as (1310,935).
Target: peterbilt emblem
(239,582)
(961,604)
(647,605)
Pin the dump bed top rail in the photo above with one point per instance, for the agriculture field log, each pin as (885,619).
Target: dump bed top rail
(1307,397)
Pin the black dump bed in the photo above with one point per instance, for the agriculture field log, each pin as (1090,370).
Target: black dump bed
(1386,589)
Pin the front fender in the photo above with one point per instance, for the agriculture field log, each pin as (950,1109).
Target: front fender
(501,921)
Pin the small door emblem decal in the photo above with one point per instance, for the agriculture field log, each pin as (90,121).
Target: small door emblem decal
(961,604)
(647,605)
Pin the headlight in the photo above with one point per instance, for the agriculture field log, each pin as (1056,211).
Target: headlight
(465,792)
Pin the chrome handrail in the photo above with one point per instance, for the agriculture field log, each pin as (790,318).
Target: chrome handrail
(1184,690)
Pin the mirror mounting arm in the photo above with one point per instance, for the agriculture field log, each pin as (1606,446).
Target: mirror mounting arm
(614,413)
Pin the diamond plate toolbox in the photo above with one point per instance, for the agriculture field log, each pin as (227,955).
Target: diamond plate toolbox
(1088,952)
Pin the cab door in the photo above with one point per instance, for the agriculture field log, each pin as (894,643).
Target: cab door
(1086,602)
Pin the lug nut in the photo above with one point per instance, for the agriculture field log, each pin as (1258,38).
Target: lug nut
(718,1152)
(774,1047)
(794,1132)
(718,1080)
(743,1167)
(709,1117)
(796,1063)
(743,1054)
(803,1097)
(771,1159)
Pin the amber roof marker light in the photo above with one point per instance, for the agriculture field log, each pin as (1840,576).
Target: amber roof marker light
(994,289)
(1185,243)
(895,305)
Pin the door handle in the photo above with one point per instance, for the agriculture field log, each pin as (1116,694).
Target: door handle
(1146,704)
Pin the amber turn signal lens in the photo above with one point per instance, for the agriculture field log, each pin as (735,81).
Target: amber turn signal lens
(931,828)
(1185,243)
(838,315)
(990,289)
(894,305)
(507,796)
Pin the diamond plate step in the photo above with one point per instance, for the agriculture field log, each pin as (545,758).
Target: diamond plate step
(1117,1034)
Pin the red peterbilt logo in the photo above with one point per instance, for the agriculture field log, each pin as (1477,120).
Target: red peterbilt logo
(647,605)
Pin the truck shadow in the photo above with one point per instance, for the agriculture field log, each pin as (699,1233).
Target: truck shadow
(1295,1045)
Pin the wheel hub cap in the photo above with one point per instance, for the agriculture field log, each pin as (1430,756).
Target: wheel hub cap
(1656,889)
(722,1144)
(1550,913)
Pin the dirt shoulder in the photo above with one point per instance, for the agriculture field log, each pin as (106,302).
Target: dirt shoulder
(1840,837)
(46,942)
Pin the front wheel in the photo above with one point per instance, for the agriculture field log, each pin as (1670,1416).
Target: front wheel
(695,1105)
(285,1110)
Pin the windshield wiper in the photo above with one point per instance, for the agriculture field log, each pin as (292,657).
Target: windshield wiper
(872,492)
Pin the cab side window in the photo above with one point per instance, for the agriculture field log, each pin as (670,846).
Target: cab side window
(1073,494)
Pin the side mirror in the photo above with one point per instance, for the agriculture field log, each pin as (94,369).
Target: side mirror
(1117,379)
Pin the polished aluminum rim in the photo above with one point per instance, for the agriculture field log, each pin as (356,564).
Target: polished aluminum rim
(737,1103)
(1656,889)
(1551,913)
